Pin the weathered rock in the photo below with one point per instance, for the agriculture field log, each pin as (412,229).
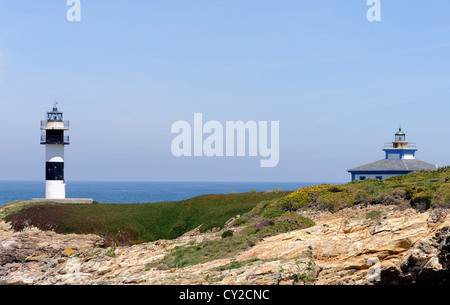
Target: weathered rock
(346,248)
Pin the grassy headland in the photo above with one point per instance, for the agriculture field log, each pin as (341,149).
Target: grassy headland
(262,214)
(134,223)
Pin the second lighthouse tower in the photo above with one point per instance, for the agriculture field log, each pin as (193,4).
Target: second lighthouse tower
(54,140)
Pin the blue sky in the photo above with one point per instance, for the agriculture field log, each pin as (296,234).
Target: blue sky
(339,85)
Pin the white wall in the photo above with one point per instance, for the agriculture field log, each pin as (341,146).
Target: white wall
(54,153)
(55,189)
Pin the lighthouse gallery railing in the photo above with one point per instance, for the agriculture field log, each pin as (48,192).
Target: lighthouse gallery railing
(411,145)
(64,140)
(55,125)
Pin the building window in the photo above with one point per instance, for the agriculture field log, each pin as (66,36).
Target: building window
(379,177)
(362,178)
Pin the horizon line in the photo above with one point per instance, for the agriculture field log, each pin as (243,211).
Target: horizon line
(183,181)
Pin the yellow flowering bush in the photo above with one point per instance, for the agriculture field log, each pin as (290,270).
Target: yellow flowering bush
(444,193)
(328,196)
(420,195)
(422,200)
(335,201)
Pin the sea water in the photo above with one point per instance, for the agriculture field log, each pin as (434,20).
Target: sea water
(138,192)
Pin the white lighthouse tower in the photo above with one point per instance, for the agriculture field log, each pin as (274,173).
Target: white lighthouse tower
(54,140)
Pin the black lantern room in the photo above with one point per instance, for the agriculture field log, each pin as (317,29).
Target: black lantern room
(400,136)
(54,115)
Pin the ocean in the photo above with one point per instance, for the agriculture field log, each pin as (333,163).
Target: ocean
(137,192)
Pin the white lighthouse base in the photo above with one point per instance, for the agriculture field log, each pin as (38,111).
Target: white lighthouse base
(55,192)
(55,189)
(67,200)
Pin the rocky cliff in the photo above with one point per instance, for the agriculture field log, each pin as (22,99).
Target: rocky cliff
(380,244)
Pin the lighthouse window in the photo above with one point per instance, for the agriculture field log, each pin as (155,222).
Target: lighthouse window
(55,116)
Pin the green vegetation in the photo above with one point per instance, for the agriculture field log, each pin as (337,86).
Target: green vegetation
(210,250)
(304,277)
(15,206)
(237,264)
(373,215)
(240,221)
(206,251)
(111,252)
(227,233)
(125,224)
(263,214)
(261,222)
(421,190)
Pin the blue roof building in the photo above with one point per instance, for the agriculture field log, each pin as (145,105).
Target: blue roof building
(400,159)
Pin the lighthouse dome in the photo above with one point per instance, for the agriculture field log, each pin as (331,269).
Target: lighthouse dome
(400,136)
(399,132)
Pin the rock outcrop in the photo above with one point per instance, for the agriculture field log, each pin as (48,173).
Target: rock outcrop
(358,246)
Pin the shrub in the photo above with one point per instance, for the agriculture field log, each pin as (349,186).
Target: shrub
(240,221)
(237,264)
(111,252)
(265,223)
(324,196)
(299,221)
(361,195)
(252,191)
(300,198)
(443,194)
(335,189)
(273,212)
(227,233)
(421,201)
(334,201)
(373,215)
